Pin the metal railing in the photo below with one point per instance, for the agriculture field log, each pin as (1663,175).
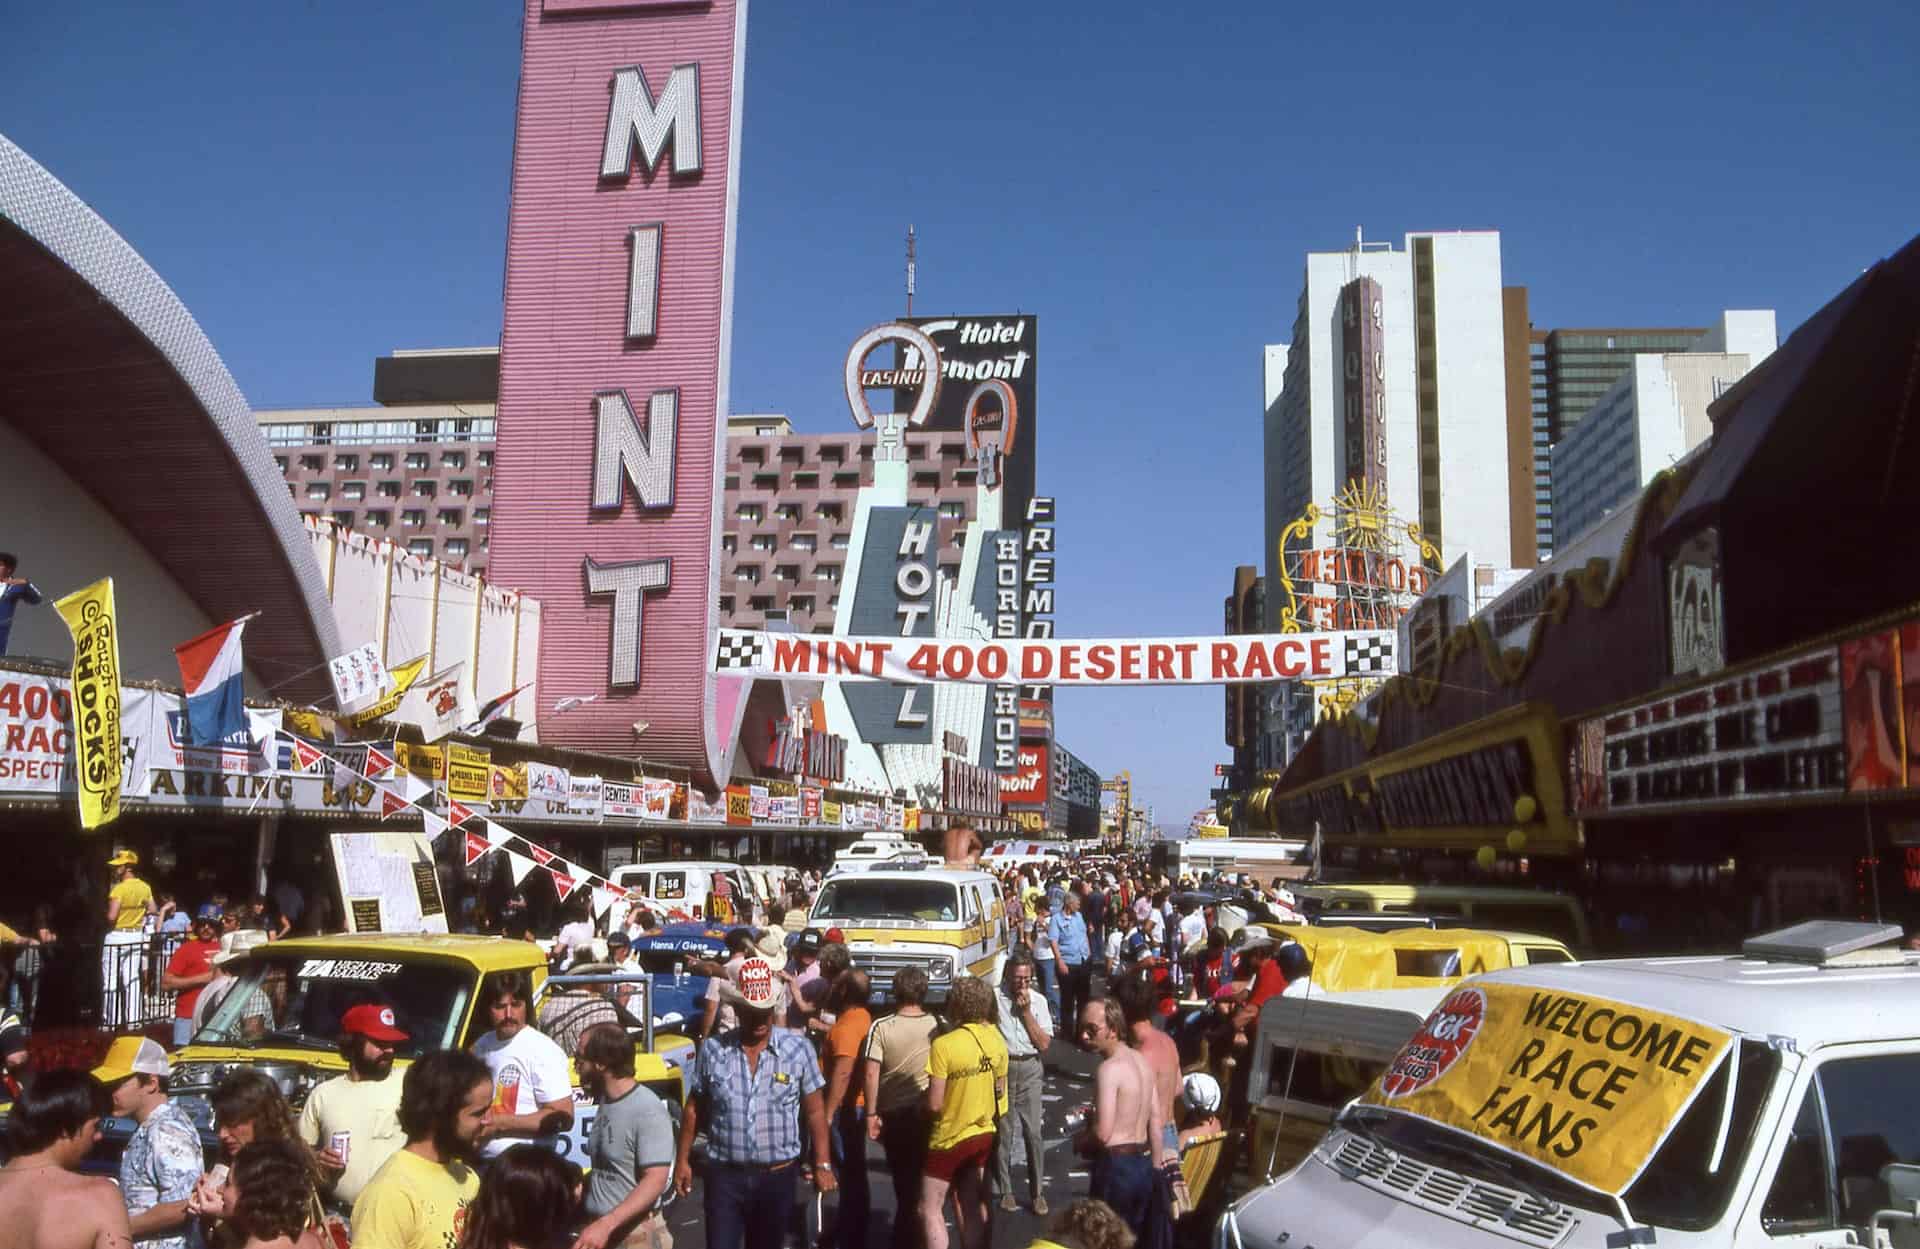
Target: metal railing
(111,983)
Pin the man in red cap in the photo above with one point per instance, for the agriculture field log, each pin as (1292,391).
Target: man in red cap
(352,1121)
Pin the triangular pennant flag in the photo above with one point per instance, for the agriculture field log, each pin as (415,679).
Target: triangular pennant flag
(433,824)
(391,804)
(415,787)
(498,834)
(563,884)
(602,902)
(458,813)
(305,755)
(618,891)
(540,856)
(477,848)
(380,763)
(520,865)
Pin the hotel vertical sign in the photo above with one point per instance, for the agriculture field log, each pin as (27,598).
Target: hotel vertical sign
(614,359)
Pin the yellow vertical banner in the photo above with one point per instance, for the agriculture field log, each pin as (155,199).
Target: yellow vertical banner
(96,700)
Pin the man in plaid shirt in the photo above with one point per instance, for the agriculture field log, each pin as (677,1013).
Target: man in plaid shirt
(752,1087)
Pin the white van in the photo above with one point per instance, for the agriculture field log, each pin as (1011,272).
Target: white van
(951,922)
(1770,1098)
(676,890)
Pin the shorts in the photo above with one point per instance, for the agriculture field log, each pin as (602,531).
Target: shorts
(944,1164)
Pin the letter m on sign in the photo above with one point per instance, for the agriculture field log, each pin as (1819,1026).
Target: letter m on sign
(634,118)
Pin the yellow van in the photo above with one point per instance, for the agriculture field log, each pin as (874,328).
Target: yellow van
(949,922)
(1469,906)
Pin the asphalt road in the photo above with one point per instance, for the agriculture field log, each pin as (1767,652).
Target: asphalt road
(1068,1085)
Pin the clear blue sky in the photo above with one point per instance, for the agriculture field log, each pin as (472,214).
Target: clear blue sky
(324,182)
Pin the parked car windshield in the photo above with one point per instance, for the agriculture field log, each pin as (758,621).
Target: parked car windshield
(299,999)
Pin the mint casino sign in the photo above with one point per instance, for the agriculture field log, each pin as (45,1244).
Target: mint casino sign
(614,360)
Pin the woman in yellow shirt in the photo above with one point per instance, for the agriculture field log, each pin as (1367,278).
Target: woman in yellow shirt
(967,1094)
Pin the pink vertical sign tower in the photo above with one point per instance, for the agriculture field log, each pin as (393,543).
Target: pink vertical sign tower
(613,363)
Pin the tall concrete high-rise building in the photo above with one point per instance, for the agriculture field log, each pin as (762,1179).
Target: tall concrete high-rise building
(1396,389)
(1395,381)
(1651,417)
(1570,370)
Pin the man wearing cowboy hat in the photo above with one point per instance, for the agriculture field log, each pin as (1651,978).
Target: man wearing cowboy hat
(363,1104)
(255,1014)
(122,965)
(750,1090)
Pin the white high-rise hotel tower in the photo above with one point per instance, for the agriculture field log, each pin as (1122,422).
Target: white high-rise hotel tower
(1397,380)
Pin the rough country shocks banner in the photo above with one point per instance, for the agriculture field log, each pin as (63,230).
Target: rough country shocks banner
(1582,1085)
(614,358)
(1132,661)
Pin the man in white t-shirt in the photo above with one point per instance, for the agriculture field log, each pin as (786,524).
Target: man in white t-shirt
(532,1087)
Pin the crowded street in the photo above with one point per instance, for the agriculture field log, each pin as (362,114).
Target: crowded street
(573,675)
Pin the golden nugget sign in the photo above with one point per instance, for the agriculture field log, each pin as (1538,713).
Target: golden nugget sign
(1369,580)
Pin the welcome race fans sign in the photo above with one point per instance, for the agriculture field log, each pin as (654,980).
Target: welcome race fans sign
(1056,661)
(1582,1085)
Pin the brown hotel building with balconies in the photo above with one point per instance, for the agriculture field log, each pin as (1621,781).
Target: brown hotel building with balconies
(418,469)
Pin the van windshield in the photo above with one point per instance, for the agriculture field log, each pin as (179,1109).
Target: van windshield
(1676,1190)
(925,901)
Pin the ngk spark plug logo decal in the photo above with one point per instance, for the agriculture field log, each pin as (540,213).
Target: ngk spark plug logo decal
(1437,1046)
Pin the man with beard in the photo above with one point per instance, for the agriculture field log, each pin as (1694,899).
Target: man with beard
(532,1088)
(419,1199)
(363,1105)
(631,1147)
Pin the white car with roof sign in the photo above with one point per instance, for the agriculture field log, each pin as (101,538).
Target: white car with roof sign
(1770,1098)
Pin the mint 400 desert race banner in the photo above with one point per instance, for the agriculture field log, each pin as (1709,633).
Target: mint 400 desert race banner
(1055,661)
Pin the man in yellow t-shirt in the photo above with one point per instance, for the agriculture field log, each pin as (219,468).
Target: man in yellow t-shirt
(419,1198)
(123,952)
(363,1104)
(967,1093)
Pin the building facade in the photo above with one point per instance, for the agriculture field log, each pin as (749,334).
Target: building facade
(1570,370)
(1396,374)
(418,469)
(1651,416)
(790,508)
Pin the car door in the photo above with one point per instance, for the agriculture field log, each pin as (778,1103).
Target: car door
(1848,1145)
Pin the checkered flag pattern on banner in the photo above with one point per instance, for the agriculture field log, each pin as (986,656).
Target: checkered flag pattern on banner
(1369,654)
(736,650)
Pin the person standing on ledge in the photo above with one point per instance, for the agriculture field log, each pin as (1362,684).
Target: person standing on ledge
(13,592)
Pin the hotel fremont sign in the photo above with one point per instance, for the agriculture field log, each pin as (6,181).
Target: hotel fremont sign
(614,362)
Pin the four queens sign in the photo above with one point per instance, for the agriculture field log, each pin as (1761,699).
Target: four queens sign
(613,366)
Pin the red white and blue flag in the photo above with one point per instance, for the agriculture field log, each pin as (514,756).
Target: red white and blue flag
(210,667)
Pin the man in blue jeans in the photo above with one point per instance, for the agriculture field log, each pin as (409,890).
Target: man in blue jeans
(751,1089)
(1071,950)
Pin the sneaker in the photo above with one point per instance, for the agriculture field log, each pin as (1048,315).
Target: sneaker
(1040,1206)
(1008,1204)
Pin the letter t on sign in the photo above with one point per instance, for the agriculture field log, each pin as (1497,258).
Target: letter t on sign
(627,583)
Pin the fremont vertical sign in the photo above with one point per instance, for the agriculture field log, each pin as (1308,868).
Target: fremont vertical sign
(614,359)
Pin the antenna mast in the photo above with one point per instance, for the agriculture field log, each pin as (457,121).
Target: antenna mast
(910,274)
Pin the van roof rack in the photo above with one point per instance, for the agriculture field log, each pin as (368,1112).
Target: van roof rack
(1820,941)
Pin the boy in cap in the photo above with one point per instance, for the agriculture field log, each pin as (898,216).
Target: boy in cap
(163,1159)
(363,1105)
(751,1089)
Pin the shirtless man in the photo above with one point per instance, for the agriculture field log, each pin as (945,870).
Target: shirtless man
(1139,1000)
(1126,1134)
(44,1204)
